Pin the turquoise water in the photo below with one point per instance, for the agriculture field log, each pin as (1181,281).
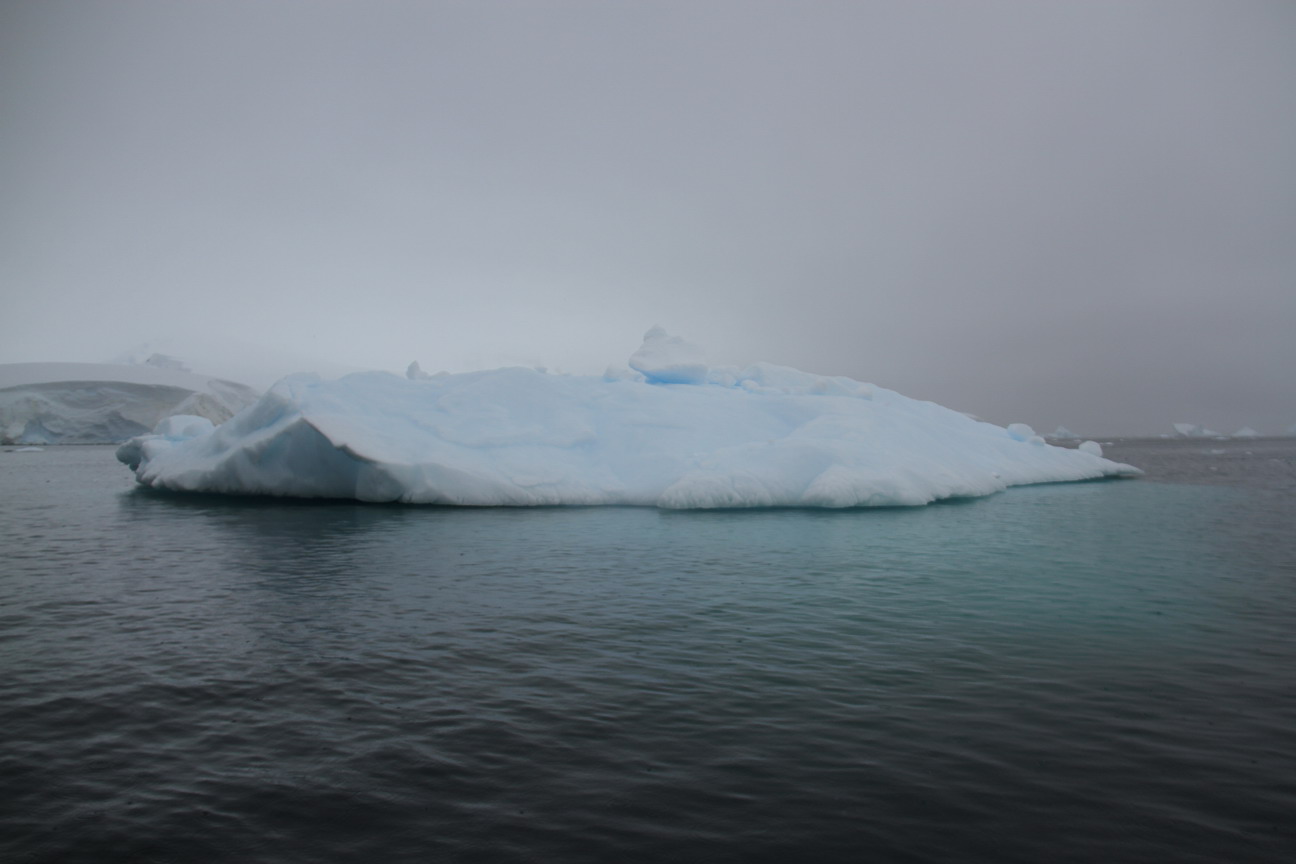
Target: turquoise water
(1076,672)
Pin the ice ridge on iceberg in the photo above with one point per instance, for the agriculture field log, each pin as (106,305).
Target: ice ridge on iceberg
(672,433)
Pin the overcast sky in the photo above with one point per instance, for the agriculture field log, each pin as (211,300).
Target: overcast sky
(1079,214)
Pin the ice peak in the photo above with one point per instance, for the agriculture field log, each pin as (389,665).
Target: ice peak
(666,359)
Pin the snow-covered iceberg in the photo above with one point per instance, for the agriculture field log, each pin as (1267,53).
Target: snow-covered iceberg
(104,403)
(1194,430)
(672,433)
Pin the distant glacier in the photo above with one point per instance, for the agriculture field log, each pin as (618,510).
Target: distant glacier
(106,403)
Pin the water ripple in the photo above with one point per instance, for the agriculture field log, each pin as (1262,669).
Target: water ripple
(1069,674)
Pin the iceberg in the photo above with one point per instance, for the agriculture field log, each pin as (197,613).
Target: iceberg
(103,403)
(670,432)
(666,359)
(1194,430)
(1091,447)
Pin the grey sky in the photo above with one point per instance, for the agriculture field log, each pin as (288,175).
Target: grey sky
(1053,213)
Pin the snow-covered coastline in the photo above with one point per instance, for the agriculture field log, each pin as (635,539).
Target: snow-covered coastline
(105,403)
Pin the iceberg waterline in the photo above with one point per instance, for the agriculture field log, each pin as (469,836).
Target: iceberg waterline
(670,433)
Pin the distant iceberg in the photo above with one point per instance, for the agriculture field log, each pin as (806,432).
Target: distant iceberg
(1062,433)
(1194,430)
(104,403)
(669,432)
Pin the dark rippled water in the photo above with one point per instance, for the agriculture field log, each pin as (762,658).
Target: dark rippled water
(1067,673)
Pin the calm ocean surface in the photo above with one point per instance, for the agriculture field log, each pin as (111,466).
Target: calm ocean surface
(1066,673)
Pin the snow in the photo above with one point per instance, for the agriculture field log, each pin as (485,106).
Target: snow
(665,359)
(231,359)
(670,435)
(1022,432)
(184,426)
(1092,447)
(102,403)
(166,361)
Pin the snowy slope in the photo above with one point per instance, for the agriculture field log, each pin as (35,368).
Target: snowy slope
(101,403)
(232,359)
(672,433)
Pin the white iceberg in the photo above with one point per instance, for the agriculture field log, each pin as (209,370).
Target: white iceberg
(103,403)
(1194,430)
(1246,432)
(1061,433)
(1090,447)
(764,436)
(666,359)
(1023,432)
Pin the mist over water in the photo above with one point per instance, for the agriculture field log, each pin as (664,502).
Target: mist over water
(1075,213)
(1075,672)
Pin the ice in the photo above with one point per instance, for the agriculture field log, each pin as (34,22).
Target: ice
(226,357)
(1062,433)
(1194,430)
(178,427)
(1022,432)
(673,434)
(1092,447)
(665,359)
(101,403)
(166,361)
(1246,432)
(184,426)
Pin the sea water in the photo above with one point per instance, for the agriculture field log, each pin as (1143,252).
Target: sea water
(1077,672)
